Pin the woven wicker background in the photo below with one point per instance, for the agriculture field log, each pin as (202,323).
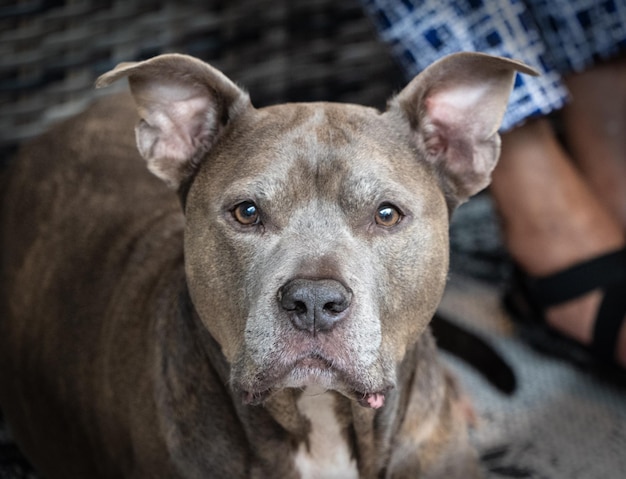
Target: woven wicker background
(280,50)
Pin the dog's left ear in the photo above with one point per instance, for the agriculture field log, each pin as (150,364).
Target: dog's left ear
(454,109)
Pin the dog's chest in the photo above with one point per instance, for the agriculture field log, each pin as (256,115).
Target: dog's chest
(328,454)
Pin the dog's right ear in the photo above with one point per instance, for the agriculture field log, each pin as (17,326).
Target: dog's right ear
(184,105)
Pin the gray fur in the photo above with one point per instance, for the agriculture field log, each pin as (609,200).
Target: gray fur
(141,341)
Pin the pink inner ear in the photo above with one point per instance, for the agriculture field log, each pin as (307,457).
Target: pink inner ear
(436,126)
(182,116)
(459,122)
(461,113)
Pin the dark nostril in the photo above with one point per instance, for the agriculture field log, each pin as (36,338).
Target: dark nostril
(336,307)
(299,307)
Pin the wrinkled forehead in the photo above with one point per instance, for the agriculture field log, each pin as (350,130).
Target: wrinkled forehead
(298,150)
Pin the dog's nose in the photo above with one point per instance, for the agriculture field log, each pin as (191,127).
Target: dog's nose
(315,305)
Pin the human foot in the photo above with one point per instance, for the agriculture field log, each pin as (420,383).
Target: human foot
(551,221)
(594,125)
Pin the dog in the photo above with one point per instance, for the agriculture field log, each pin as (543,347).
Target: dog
(258,306)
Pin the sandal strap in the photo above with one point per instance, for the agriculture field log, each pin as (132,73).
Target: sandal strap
(597,273)
(609,322)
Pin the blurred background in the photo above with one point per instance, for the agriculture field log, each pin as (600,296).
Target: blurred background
(51,51)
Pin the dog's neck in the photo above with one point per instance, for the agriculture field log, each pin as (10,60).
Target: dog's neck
(284,415)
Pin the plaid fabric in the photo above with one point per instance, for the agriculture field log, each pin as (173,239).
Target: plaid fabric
(553,36)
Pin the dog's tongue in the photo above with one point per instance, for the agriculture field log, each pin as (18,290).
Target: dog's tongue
(373,400)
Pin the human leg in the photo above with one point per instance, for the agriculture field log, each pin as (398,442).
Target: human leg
(594,126)
(552,220)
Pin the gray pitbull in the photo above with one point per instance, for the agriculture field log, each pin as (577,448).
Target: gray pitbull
(276,329)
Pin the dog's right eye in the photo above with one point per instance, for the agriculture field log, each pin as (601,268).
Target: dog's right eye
(247,214)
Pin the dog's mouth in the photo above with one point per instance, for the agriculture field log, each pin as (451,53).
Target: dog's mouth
(314,370)
(371,400)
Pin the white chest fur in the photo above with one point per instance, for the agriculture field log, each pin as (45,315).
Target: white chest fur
(328,455)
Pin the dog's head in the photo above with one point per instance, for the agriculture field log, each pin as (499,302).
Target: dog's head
(316,234)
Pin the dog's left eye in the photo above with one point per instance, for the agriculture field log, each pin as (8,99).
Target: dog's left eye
(388,215)
(247,214)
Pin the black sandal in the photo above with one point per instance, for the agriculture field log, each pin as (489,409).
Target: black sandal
(528,298)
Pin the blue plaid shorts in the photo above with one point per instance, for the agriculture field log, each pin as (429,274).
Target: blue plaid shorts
(553,36)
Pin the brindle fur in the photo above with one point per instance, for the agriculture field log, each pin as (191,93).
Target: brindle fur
(131,330)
